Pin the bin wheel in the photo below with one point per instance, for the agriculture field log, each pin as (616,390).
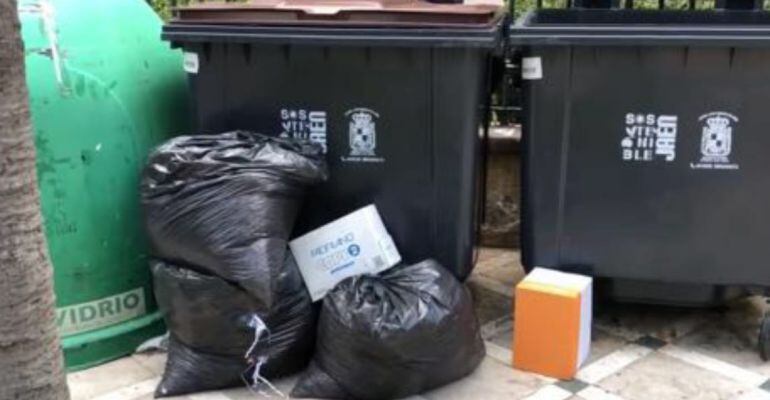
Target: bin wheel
(764,338)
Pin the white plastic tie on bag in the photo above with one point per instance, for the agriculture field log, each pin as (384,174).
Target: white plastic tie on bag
(260,328)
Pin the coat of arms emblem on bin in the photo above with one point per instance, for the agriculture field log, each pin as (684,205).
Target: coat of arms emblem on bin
(362,131)
(362,135)
(716,142)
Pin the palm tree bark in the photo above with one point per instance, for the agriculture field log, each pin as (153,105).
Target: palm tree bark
(31,365)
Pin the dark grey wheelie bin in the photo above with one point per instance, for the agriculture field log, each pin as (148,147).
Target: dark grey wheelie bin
(646,151)
(394,90)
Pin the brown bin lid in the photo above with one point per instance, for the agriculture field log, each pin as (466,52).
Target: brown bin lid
(341,13)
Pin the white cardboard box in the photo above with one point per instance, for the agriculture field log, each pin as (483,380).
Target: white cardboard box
(355,244)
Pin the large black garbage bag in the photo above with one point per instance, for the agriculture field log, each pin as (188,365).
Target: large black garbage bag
(190,371)
(210,333)
(227,203)
(397,334)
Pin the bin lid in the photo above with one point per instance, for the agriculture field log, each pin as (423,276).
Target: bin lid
(410,23)
(574,27)
(342,13)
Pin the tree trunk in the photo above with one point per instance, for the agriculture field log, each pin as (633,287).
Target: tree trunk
(31,365)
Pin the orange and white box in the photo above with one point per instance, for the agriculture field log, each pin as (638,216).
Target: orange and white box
(552,323)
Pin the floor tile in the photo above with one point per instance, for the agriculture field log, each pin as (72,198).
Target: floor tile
(154,361)
(602,343)
(612,363)
(642,347)
(505,268)
(731,336)
(661,377)
(633,321)
(489,305)
(756,394)
(284,385)
(90,383)
(503,337)
(726,369)
(489,255)
(596,393)
(501,354)
(491,381)
(550,392)
(141,389)
(650,342)
(572,386)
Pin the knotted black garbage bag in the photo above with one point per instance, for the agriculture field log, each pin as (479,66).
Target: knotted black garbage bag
(405,331)
(219,210)
(227,203)
(212,331)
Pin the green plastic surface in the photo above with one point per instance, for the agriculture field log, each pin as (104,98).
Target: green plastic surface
(104,90)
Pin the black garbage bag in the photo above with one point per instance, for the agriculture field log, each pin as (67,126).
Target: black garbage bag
(210,328)
(190,371)
(408,330)
(226,204)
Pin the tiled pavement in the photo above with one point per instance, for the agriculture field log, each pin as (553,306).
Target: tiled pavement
(638,353)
